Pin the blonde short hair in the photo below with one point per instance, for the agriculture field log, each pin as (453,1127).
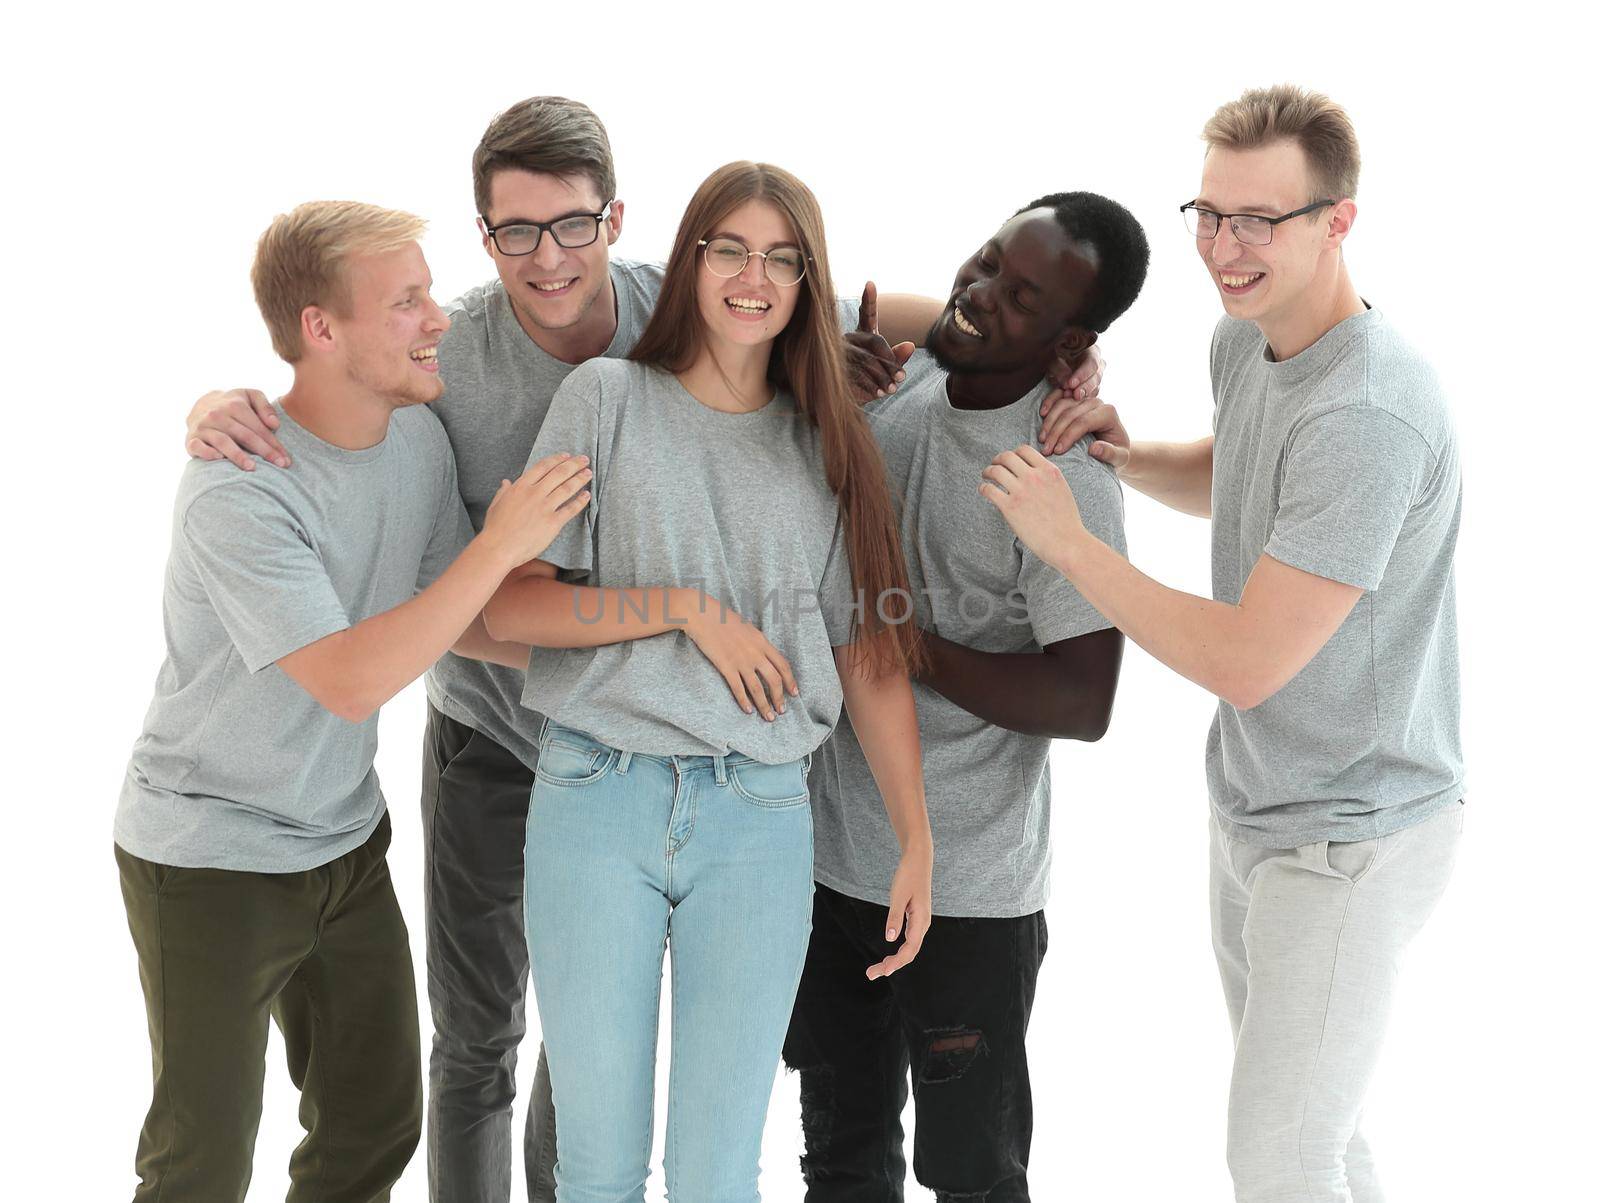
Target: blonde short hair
(1320,127)
(300,260)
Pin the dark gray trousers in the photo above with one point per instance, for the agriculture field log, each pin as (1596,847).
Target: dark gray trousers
(474,818)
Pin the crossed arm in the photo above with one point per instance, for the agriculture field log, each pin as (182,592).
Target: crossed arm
(533,606)
(1064,691)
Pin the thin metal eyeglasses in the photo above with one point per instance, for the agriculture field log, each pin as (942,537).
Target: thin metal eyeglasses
(522,237)
(1249,228)
(726,257)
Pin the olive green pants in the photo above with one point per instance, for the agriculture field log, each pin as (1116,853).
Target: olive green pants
(324,953)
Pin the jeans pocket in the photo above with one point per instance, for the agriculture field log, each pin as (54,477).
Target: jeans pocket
(570,762)
(770,785)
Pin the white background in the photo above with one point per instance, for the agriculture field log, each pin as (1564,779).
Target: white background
(147,148)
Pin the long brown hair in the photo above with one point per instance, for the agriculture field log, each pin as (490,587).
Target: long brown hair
(808,360)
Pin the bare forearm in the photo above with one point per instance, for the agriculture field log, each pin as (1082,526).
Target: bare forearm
(884,717)
(357,670)
(477,644)
(1021,691)
(1176,474)
(544,612)
(1217,646)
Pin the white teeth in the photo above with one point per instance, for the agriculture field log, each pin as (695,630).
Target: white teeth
(748,306)
(1240,281)
(965,326)
(554,285)
(426,355)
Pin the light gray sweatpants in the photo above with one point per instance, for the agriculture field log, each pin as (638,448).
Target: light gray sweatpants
(1309,942)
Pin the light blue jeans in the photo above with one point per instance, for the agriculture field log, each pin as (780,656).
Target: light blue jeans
(626,852)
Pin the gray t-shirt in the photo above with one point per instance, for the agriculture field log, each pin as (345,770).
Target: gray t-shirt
(1340,461)
(737,505)
(975,584)
(498,385)
(238,767)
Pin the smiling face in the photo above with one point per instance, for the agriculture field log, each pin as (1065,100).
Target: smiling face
(747,308)
(555,287)
(389,338)
(1016,301)
(1266,284)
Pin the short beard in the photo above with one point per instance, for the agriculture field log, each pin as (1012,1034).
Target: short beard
(402,392)
(940,358)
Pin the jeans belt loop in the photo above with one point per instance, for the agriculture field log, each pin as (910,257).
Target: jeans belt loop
(623,762)
(721,765)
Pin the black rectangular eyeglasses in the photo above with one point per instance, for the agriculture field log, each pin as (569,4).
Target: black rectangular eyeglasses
(1249,228)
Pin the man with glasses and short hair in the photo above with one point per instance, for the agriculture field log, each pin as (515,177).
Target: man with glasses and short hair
(546,193)
(1333,485)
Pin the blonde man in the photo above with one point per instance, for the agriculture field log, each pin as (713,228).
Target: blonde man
(1333,486)
(251,832)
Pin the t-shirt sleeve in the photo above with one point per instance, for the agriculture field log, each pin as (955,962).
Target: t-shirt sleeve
(836,593)
(573,426)
(1350,477)
(452,528)
(1223,336)
(264,579)
(1056,610)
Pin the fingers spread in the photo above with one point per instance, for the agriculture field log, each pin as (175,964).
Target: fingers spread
(757,692)
(736,687)
(787,672)
(772,689)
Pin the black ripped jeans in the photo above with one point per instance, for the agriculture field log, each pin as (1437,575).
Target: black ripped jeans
(955,1018)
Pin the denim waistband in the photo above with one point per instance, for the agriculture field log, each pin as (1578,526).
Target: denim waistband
(718,764)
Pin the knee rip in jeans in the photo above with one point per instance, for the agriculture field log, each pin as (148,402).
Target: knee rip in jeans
(817,1102)
(951,1052)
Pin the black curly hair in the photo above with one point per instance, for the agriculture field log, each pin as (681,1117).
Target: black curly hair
(1119,243)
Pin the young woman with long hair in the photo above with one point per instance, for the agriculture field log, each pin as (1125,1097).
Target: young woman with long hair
(742,577)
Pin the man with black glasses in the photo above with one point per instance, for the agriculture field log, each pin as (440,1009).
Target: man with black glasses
(1333,485)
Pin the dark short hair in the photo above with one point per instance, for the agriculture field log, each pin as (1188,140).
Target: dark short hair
(1119,244)
(550,135)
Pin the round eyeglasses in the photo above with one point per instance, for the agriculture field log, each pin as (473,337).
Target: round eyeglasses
(1252,229)
(522,237)
(726,257)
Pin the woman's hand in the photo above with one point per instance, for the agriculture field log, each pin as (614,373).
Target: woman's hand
(757,673)
(910,908)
